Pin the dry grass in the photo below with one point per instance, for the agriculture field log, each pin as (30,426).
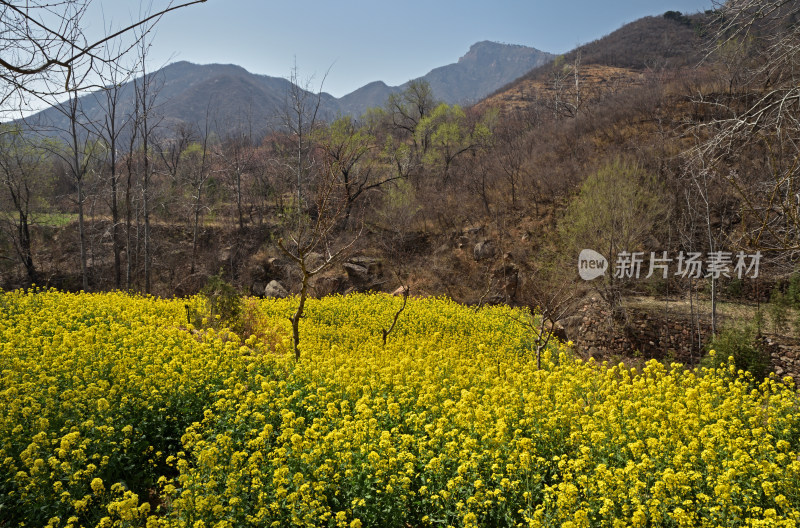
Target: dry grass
(595,80)
(730,312)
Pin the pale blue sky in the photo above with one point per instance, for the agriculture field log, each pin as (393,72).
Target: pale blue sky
(368,40)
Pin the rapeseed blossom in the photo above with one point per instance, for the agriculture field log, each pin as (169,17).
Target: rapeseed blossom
(120,415)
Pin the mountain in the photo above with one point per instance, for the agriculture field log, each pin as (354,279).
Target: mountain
(370,95)
(486,67)
(227,95)
(230,96)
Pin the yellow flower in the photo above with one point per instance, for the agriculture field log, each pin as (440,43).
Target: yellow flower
(97,485)
(103,405)
(454,400)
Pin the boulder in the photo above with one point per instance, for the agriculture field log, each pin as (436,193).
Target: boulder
(572,327)
(328,285)
(483,250)
(374,266)
(224,254)
(356,273)
(275,289)
(443,249)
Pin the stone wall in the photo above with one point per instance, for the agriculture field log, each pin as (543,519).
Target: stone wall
(657,334)
(785,355)
(660,334)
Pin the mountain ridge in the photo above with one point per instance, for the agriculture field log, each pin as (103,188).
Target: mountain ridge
(232,97)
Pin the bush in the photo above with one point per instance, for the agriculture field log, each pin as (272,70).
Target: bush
(741,343)
(223,303)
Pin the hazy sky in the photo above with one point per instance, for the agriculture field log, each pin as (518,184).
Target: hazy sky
(360,41)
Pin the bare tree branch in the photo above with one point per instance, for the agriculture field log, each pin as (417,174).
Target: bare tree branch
(44,42)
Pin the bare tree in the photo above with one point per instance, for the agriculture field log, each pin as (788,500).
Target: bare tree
(82,150)
(559,77)
(553,298)
(110,130)
(713,217)
(145,92)
(23,165)
(347,150)
(131,171)
(45,53)
(238,157)
(196,163)
(309,233)
(315,236)
(566,89)
(78,149)
(751,143)
(300,117)
(170,148)
(512,154)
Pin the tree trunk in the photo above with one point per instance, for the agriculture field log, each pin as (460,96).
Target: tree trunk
(78,172)
(115,234)
(137,249)
(196,228)
(239,200)
(82,235)
(713,307)
(25,247)
(146,212)
(299,313)
(128,222)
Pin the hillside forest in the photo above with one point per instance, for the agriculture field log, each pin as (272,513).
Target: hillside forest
(675,135)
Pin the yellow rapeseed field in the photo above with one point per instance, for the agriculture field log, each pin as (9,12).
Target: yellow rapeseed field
(116,412)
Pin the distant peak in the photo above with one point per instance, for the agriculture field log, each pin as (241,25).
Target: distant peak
(489,44)
(485,47)
(376,84)
(218,66)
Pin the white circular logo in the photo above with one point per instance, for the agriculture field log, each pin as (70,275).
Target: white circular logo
(591,264)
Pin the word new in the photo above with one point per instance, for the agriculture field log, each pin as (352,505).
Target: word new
(716,264)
